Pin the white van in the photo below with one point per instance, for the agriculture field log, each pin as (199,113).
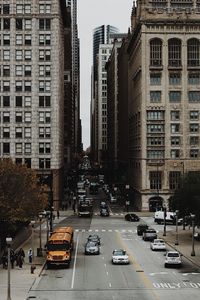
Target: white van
(170,217)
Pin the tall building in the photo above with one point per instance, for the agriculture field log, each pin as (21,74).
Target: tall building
(164,98)
(31,95)
(101,36)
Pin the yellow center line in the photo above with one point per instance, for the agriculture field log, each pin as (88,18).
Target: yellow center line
(146,281)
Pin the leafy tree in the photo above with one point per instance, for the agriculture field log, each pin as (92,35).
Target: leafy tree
(20,196)
(187,198)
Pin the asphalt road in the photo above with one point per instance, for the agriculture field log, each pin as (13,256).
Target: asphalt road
(94,277)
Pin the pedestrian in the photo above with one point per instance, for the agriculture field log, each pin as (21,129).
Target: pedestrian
(20,258)
(30,255)
(74,207)
(4,260)
(58,214)
(12,258)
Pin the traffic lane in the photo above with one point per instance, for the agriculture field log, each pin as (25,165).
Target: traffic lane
(163,279)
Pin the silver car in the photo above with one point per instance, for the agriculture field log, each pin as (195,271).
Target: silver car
(92,248)
(173,258)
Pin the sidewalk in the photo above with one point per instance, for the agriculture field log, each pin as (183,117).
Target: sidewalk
(22,279)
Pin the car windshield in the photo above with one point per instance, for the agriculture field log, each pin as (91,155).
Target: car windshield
(119,252)
(91,244)
(173,255)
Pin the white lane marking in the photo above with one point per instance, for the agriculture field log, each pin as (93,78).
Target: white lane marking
(74,266)
(76,230)
(116,230)
(107,273)
(105,265)
(160,273)
(110,284)
(103,230)
(109,230)
(96,230)
(90,230)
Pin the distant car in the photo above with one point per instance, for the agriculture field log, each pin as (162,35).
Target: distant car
(103,204)
(92,248)
(173,258)
(158,244)
(132,217)
(197,236)
(120,256)
(149,234)
(94,238)
(104,212)
(141,228)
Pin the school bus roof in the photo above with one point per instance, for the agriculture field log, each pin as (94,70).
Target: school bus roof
(59,236)
(68,230)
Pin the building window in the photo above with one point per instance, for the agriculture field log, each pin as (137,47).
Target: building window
(155,78)
(44,132)
(27,162)
(175,141)
(194,96)
(155,128)
(194,115)
(6,148)
(155,141)
(155,115)
(6,86)
(6,132)
(18,148)
(27,9)
(18,70)
(6,24)
(18,132)
(44,101)
(44,148)
(27,148)
(44,117)
(194,140)
(44,24)
(19,9)
(155,178)
(6,101)
(18,117)
(44,163)
(27,70)
(6,39)
(19,55)
(155,96)
(19,24)
(27,86)
(194,153)
(175,153)
(27,117)
(18,86)
(174,180)
(27,24)
(27,101)
(18,161)
(175,78)
(175,128)
(175,115)
(194,78)
(193,53)
(174,53)
(18,101)
(6,71)
(19,39)
(27,39)
(6,117)
(156,52)
(6,55)
(6,9)
(27,132)
(155,154)
(175,96)
(194,127)
(27,55)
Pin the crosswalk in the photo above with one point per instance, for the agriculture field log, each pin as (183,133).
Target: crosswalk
(106,230)
(112,214)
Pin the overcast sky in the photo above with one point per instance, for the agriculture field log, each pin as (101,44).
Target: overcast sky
(93,13)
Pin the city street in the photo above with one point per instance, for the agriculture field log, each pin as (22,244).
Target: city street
(94,277)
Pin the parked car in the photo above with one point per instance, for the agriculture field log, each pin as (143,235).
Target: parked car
(132,217)
(104,212)
(120,256)
(94,238)
(103,204)
(173,258)
(92,248)
(149,234)
(141,228)
(158,244)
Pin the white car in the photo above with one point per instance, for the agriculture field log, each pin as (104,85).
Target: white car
(158,244)
(173,258)
(120,256)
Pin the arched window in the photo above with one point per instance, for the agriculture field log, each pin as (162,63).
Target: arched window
(174,53)
(156,52)
(193,53)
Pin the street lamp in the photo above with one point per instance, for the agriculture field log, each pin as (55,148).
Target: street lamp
(176,242)
(32,239)
(8,241)
(164,229)
(192,218)
(39,252)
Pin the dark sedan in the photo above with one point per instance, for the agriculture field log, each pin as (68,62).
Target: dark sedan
(104,212)
(132,217)
(94,238)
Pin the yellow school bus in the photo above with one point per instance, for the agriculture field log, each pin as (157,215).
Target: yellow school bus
(59,249)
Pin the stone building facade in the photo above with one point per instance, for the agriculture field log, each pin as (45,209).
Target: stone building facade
(31,95)
(164,98)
